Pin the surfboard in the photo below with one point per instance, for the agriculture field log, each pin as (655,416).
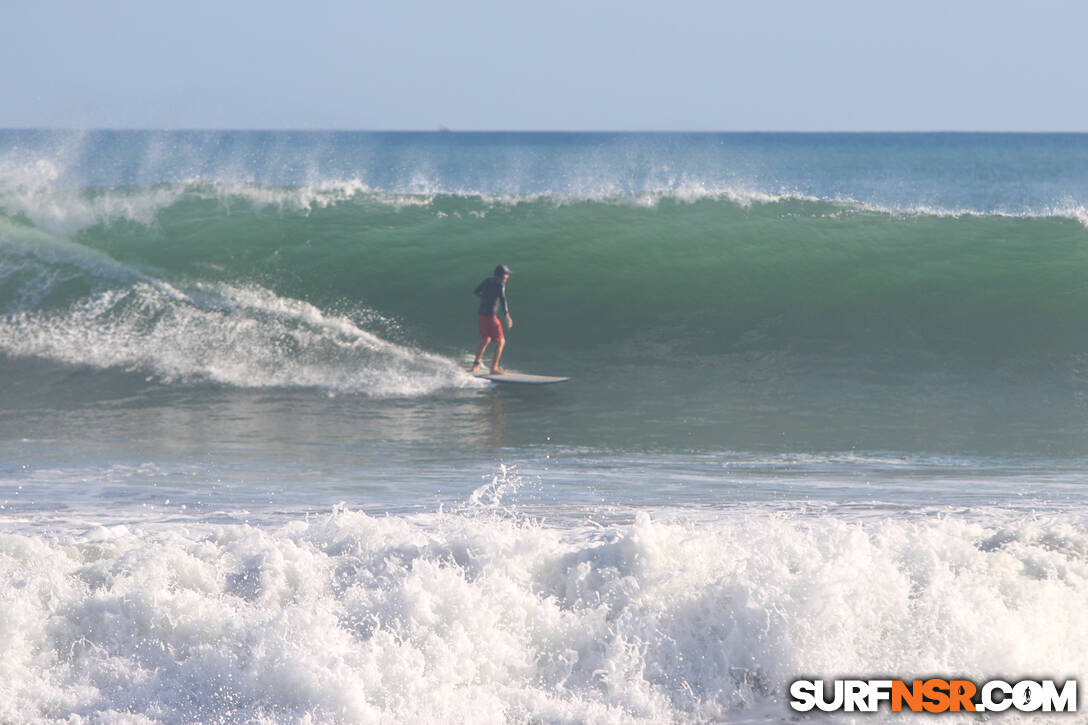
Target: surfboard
(523,378)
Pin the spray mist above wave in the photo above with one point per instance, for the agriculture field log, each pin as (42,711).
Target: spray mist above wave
(131,175)
(65,212)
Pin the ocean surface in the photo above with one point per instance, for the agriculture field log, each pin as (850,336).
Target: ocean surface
(828,417)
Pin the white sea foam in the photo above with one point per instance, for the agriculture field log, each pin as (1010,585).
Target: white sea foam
(481,618)
(243,336)
(1065,210)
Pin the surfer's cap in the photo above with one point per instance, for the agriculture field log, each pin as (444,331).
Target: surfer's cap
(501,270)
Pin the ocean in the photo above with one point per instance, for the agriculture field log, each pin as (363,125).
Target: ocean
(828,417)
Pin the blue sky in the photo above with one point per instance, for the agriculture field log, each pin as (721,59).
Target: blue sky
(814,65)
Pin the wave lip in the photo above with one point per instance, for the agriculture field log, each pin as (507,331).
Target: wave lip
(65,212)
(90,173)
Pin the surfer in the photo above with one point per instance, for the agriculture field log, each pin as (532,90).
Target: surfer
(492,294)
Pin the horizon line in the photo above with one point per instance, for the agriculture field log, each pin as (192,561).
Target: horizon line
(442,129)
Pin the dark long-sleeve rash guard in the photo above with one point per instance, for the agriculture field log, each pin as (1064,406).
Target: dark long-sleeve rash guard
(492,293)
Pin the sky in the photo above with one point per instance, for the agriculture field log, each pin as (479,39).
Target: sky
(763,65)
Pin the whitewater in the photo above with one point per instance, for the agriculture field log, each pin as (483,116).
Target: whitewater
(827,419)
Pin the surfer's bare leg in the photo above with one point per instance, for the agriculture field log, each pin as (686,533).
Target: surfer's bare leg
(480,354)
(500,344)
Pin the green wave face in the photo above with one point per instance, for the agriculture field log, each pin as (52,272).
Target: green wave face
(712,275)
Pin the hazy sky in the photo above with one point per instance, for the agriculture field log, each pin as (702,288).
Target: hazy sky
(504,64)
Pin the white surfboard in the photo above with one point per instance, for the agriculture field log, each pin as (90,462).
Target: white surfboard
(523,378)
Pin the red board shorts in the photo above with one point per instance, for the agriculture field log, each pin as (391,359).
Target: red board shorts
(489,327)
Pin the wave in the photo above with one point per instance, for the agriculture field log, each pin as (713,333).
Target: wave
(72,305)
(477,616)
(342,286)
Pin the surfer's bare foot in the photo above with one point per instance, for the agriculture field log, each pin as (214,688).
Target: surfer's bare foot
(476,366)
(498,371)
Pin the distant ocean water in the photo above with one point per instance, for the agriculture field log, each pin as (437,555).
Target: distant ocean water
(828,417)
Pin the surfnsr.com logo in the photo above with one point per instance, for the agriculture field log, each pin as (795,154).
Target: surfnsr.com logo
(934,695)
